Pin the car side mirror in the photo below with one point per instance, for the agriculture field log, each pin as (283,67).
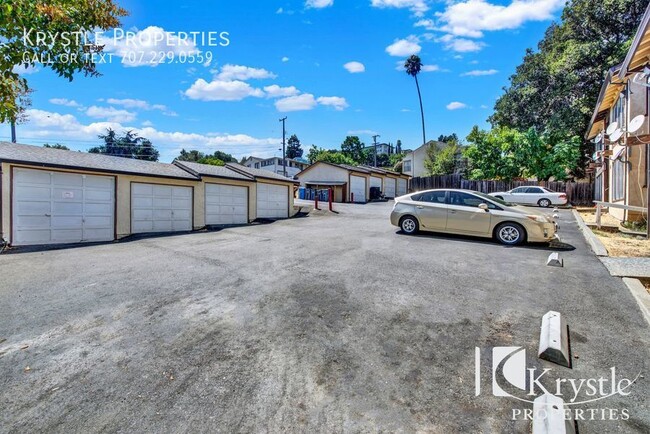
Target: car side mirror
(484,207)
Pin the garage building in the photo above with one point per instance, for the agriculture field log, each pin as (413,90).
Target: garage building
(53,196)
(350,183)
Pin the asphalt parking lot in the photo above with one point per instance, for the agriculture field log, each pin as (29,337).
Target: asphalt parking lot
(325,323)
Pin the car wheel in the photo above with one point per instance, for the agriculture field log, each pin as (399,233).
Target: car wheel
(409,225)
(544,203)
(510,234)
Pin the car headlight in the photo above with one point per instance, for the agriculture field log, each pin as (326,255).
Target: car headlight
(537,218)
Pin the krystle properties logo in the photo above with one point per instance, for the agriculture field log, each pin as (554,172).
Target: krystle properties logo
(512,378)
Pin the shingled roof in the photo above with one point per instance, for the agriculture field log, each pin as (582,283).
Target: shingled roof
(48,157)
(259,173)
(211,170)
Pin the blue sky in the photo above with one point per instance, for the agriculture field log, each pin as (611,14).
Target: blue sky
(330,66)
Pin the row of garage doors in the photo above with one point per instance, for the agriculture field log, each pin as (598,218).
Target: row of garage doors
(59,207)
(391,187)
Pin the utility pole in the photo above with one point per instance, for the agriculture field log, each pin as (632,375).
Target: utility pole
(13,132)
(284,135)
(374,138)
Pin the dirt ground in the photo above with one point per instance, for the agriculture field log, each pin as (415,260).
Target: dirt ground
(617,243)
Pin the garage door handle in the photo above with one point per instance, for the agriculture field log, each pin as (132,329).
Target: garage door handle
(48,215)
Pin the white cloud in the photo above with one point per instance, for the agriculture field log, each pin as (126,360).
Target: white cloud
(275,91)
(141,104)
(306,101)
(111,114)
(456,105)
(219,90)
(24,70)
(240,72)
(135,49)
(52,126)
(405,110)
(319,4)
(147,124)
(460,45)
(285,59)
(65,102)
(430,68)
(418,7)
(362,133)
(404,47)
(479,72)
(355,67)
(337,102)
(399,66)
(427,23)
(472,17)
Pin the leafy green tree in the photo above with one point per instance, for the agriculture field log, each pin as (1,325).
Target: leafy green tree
(491,154)
(313,153)
(398,147)
(352,148)
(192,155)
(199,157)
(451,139)
(555,88)
(294,150)
(55,16)
(441,161)
(56,146)
(335,157)
(505,153)
(213,161)
(129,145)
(413,66)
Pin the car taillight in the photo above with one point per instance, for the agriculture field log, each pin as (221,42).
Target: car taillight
(563,196)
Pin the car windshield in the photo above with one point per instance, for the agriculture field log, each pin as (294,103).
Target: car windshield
(493,199)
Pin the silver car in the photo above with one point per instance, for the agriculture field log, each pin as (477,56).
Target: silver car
(531,195)
(468,212)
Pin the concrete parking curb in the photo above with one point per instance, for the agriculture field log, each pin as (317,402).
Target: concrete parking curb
(596,245)
(640,294)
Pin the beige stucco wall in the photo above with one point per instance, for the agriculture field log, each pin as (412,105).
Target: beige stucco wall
(323,172)
(123,196)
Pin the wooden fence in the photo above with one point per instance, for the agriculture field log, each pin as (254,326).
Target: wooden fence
(578,193)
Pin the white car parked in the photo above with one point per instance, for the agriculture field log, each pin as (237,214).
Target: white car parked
(532,196)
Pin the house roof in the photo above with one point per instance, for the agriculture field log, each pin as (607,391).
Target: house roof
(259,173)
(606,98)
(353,168)
(210,170)
(637,55)
(47,157)
(359,169)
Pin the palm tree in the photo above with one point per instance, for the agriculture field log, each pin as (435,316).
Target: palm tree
(413,65)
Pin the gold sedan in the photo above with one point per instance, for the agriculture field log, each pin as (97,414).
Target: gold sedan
(468,212)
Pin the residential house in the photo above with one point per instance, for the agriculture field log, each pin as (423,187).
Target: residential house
(274,164)
(620,129)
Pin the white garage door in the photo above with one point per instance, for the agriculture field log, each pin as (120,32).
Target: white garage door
(160,208)
(58,207)
(389,186)
(375,182)
(272,201)
(401,187)
(226,204)
(358,188)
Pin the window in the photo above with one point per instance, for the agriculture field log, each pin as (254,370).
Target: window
(535,190)
(618,180)
(519,190)
(257,165)
(432,197)
(407,166)
(465,199)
